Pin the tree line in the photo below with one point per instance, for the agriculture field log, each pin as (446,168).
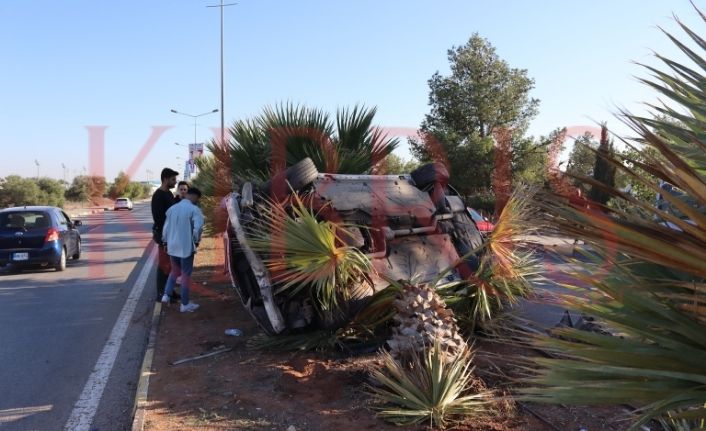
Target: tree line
(477,126)
(20,191)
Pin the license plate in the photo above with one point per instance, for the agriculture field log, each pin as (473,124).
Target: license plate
(20,256)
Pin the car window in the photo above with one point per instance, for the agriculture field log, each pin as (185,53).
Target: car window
(475,216)
(16,220)
(122,200)
(63,220)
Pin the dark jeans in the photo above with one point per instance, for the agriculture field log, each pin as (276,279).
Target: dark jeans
(163,269)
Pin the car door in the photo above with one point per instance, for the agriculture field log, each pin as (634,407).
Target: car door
(75,234)
(66,232)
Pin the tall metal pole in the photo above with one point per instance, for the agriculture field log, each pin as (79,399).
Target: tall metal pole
(222,90)
(223,115)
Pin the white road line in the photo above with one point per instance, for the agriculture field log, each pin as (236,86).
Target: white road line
(85,408)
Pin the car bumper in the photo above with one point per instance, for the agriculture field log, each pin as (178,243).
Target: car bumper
(48,255)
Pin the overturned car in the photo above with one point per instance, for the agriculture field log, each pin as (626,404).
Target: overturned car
(412,226)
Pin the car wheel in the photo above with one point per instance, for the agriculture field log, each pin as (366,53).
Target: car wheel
(61,265)
(429,174)
(299,176)
(77,256)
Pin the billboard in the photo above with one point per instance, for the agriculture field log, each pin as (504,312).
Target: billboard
(195,151)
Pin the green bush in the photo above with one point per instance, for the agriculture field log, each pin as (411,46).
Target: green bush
(18,191)
(51,192)
(84,188)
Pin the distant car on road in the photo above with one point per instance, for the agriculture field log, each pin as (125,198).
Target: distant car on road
(123,204)
(484,225)
(38,235)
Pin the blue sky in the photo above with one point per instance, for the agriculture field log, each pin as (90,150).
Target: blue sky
(124,64)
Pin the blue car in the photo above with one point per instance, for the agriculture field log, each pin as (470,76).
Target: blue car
(38,236)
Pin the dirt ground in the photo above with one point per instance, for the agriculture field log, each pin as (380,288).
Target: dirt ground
(246,389)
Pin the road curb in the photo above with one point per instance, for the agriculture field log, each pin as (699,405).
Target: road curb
(139,407)
(87,212)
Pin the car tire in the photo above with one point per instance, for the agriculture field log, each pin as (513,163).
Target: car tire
(61,265)
(430,173)
(299,176)
(77,256)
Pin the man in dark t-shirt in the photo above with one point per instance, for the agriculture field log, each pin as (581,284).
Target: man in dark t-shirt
(162,199)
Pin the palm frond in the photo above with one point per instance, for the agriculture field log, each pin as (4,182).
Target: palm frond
(508,267)
(650,288)
(249,151)
(295,132)
(302,252)
(320,340)
(362,145)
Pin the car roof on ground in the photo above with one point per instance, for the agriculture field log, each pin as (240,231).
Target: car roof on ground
(30,208)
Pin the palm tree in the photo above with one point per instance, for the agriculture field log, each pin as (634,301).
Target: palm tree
(282,135)
(648,282)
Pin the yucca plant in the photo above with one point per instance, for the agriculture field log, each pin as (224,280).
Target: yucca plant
(303,252)
(428,388)
(670,423)
(650,288)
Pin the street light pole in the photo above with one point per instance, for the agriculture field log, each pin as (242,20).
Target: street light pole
(194,117)
(222,87)
(188,174)
(223,126)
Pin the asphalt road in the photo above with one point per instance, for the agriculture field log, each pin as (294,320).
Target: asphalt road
(55,326)
(544,311)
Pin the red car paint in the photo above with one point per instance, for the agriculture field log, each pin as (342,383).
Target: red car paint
(484,226)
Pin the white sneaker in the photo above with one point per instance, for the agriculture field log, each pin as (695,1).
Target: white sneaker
(189,308)
(165,299)
(178,280)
